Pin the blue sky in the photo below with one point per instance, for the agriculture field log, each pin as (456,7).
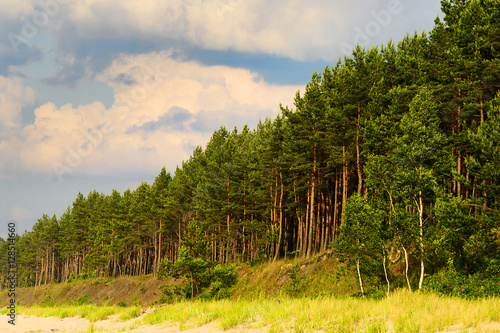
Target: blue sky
(100,94)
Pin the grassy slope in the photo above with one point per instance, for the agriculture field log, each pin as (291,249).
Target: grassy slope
(261,299)
(129,290)
(316,276)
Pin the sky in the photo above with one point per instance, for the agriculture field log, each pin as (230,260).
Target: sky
(101,94)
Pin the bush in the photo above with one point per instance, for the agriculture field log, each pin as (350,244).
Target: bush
(170,293)
(452,283)
(47,301)
(203,278)
(85,299)
(298,282)
(223,278)
(95,282)
(71,278)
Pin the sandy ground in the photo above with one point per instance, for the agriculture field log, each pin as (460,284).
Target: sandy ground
(25,324)
(31,324)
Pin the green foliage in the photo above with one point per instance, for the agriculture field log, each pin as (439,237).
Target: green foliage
(170,293)
(47,300)
(97,281)
(205,278)
(298,282)
(222,279)
(85,299)
(393,149)
(361,235)
(453,283)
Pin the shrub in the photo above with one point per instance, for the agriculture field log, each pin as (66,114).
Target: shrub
(170,293)
(95,282)
(201,277)
(452,283)
(85,299)
(298,282)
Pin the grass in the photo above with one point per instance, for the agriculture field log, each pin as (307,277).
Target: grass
(401,311)
(91,312)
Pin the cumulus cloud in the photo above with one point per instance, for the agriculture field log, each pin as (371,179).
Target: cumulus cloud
(298,29)
(16,8)
(292,28)
(163,108)
(91,33)
(13,97)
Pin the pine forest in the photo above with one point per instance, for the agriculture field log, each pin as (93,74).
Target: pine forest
(390,155)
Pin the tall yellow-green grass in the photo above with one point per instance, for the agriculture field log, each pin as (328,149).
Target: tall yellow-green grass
(400,312)
(89,311)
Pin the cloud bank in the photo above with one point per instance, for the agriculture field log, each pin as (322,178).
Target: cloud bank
(163,109)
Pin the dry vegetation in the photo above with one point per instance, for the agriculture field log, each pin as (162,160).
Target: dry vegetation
(400,312)
(266,298)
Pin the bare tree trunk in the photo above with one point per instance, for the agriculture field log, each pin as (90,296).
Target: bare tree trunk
(311,213)
(305,232)
(159,247)
(280,218)
(386,278)
(421,227)
(359,277)
(53,265)
(358,162)
(344,183)
(406,269)
(459,170)
(335,208)
(459,153)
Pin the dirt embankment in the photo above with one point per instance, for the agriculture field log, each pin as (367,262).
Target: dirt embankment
(269,279)
(142,290)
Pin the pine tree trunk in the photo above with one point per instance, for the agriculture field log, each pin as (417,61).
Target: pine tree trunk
(358,162)
(305,233)
(298,246)
(335,208)
(459,153)
(160,234)
(53,266)
(459,170)
(47,265)
(344,183)
(312,220)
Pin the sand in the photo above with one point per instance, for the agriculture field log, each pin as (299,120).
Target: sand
(32,324)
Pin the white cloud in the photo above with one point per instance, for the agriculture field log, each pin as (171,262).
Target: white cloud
(20,214)
(299,29)
(16,8)
(13,97)
(163,109)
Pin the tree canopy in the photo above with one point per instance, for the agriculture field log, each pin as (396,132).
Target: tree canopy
(393,149)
